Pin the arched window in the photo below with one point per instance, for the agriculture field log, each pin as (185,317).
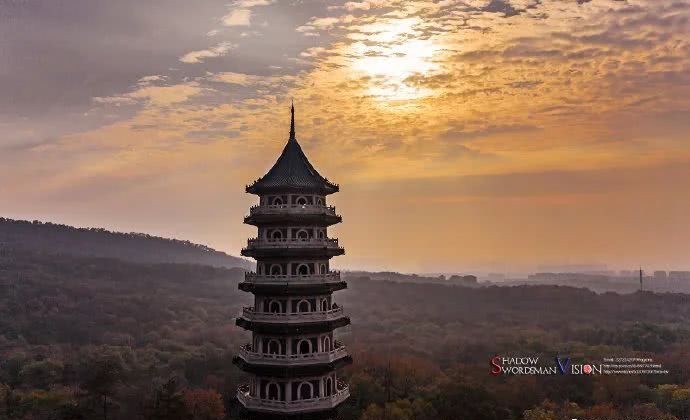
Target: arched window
(327,344)
(273,391)
(319,202)
(274,346)
(322,268)
(276,234)
(322,235)
(301,201)
(260,268)
(329,386)
(275,307)
(303,270)
(302,235)
(303,346)
(305,391)
(324,305)
(276,270)
(303,306)
(277,201)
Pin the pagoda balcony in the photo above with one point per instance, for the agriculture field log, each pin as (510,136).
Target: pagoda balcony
(292,248)
(288,243)
(250,314)
(250,356)
(330,277)
(295,406)
(308,214)
(291,209)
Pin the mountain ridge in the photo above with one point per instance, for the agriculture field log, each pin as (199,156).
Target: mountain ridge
(54,238)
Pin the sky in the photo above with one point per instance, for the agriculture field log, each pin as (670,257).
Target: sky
(475,135)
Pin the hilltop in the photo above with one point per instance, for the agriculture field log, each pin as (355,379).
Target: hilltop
(51,238)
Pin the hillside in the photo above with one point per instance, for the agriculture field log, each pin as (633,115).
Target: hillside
(94,242)
(418,348)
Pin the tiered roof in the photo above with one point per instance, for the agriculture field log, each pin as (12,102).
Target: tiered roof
(292,171)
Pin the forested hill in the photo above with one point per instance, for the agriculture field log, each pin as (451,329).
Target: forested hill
(54,238)
(85,338)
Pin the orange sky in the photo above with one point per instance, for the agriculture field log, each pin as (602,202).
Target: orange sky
(470,135)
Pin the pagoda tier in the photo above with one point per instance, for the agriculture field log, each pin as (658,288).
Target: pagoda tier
(294,214)
(285,285)
(269,396)
(293,355)
(292,247)
(287,327)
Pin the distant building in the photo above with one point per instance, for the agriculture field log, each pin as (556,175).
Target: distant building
(679,275)
(496,277)
(468,280)
(660,276)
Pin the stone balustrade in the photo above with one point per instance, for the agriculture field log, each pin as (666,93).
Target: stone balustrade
(330,277)
(251,314)
(286,243)
(306,405)
(249,355)
(291,209)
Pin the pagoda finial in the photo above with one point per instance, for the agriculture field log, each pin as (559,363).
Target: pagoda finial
(292,120)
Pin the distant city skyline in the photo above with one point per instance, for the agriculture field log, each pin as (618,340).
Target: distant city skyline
(474,135)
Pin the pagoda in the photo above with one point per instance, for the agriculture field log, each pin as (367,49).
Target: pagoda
(293,356)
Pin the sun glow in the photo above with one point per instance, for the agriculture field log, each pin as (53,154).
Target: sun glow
(390,53)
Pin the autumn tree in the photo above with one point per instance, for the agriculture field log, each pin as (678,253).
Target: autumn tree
(204,404)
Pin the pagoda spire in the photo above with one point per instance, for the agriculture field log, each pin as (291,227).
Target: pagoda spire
(292,121)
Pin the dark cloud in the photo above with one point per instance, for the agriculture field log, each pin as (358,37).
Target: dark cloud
(62,53)
(56,56)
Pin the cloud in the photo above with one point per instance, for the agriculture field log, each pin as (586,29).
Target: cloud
(238,17)
(365,5)
(323,23)
(461,134)
(241,13)
(154,95)
(115,100)
(150,79)
(219,50)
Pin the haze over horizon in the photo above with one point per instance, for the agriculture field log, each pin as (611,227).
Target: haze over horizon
(479,134)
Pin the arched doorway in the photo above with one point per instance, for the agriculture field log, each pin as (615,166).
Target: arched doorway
(327,344)
(274,346)
(276,270)
(304,347)
(275,307)
(329,386)
(301,201)
(273,391)
(324,305)
(276,235)
(305,391)
(302,235)
(277,201)
(303,270)
(303,306)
